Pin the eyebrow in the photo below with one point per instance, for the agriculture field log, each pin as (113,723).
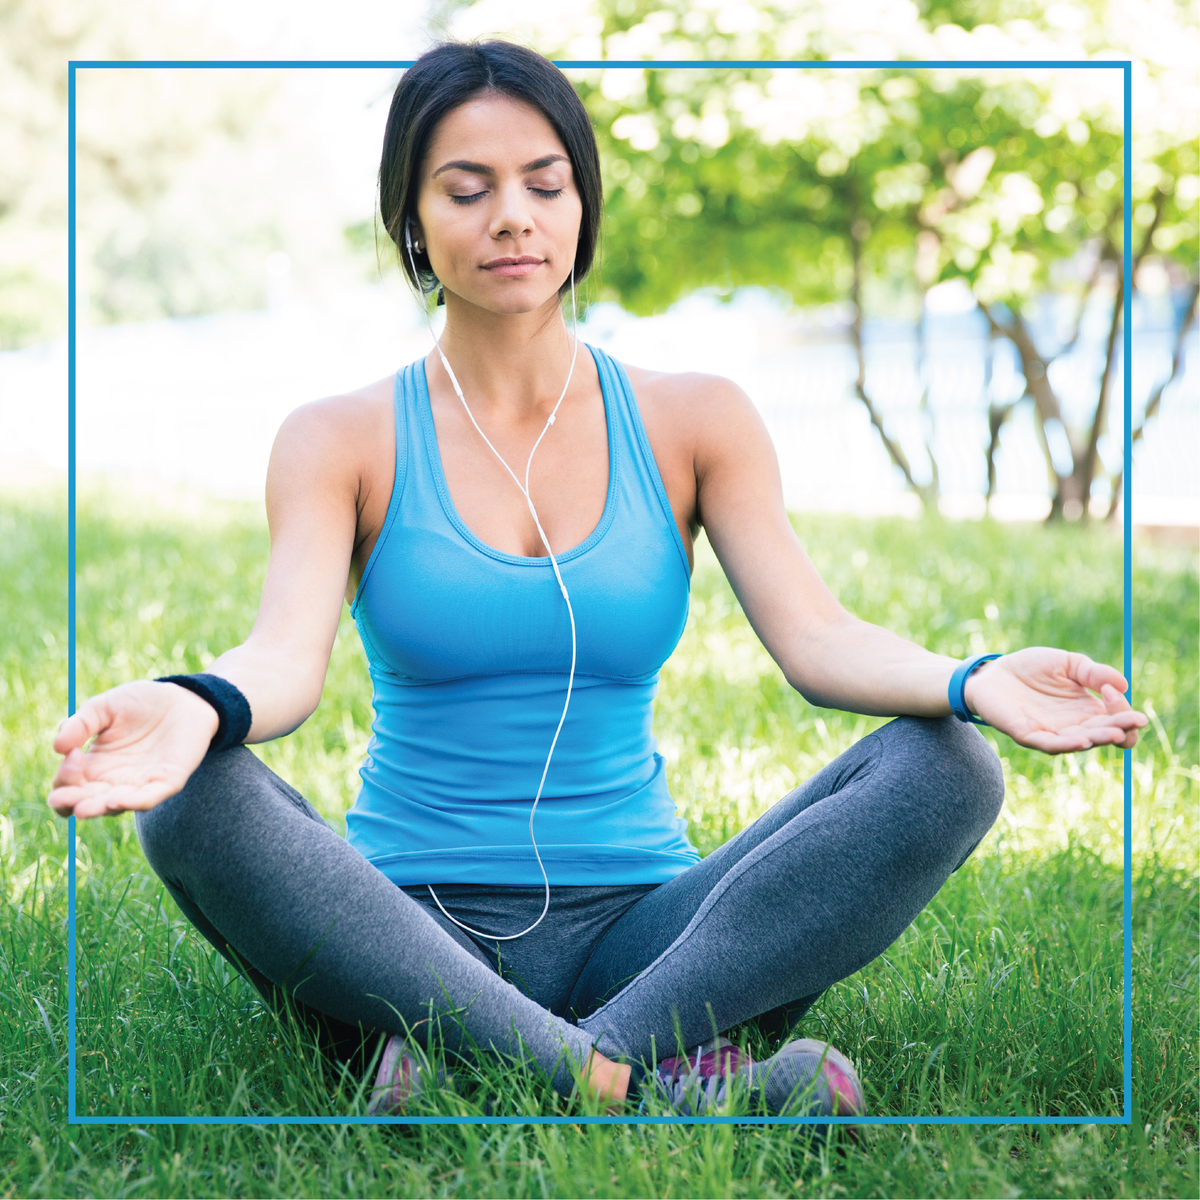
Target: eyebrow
(461,164)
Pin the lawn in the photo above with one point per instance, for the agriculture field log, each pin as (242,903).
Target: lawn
(1004,998)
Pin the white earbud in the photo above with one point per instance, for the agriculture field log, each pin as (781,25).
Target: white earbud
(562,587)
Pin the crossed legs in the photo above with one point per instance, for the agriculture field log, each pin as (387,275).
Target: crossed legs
(813,890)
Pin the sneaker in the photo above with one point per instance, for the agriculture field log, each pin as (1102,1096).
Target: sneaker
(404,1072)
(697,1082)
(805,1078)
(811,1079)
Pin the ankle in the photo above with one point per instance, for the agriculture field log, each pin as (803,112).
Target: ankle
(607,1080)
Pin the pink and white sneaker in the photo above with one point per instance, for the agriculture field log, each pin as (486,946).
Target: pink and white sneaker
(804,1078)
(404,1072)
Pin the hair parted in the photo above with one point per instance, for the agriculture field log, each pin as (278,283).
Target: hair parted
(451,74)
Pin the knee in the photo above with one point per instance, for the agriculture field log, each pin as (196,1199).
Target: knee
(959,779)
(180,829)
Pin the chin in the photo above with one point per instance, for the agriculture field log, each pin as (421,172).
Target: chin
(516,302)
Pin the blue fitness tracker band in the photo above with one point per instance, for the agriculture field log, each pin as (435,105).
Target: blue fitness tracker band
(958,681)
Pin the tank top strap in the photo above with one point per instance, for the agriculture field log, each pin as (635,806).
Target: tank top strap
(402,416)
(632,447)
(427,503)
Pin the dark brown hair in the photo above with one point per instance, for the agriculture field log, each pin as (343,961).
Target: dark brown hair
(450,75)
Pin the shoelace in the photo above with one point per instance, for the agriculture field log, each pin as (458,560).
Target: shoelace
(688,1093)
(695,1096)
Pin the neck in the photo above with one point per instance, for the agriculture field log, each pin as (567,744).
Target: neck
(513,365)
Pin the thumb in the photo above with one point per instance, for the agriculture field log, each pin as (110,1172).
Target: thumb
(75,731)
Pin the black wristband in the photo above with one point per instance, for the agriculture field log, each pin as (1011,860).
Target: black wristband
(232,708)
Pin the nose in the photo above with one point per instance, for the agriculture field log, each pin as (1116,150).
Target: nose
(512,215)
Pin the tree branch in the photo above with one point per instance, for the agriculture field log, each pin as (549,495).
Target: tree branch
(1152,405)
(1037,386)
(928,495)
(1085,466)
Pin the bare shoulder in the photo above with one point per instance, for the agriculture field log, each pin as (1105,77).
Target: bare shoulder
(338,424)
(340,444)
(701,427)
(706,416)
(690,396)
(335,435)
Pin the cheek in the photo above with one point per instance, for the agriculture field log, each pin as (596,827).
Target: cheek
(567,221)
(458,234)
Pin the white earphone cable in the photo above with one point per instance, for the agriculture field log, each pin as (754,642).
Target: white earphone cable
(562,587)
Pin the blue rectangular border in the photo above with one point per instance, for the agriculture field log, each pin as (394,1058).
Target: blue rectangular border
(1125,66)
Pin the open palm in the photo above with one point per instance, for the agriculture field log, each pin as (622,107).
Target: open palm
(1054,701)
(146,740)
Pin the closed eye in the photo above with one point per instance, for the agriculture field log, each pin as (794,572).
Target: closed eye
(545,193)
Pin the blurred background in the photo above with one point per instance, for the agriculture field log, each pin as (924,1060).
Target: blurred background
(915,274)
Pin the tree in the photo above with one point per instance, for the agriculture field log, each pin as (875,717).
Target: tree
(154,237)
(843,184)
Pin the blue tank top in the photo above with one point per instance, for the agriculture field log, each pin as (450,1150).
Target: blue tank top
(469,650)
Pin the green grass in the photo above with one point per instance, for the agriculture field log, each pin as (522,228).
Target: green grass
(1003,998)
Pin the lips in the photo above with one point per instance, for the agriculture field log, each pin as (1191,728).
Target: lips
(513,268)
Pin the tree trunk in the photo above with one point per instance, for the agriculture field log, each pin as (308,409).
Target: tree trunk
(1085,467)
(928,493)
(1085,464)
(1037,385)
(997,415)
(1071,490)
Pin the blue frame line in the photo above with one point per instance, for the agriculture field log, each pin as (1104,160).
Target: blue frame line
(621,1120)
(71,336)
(1127,575)
(268,64)
(1127,503)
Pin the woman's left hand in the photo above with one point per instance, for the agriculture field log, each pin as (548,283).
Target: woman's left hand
(1046,699)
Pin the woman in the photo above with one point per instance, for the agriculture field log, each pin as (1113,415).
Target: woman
(515,609)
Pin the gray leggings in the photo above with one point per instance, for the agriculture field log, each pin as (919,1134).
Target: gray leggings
(810,892)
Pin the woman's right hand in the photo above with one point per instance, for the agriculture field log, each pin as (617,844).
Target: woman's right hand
(146,740)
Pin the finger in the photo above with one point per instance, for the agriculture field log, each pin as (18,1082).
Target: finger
(1127,718)
(64,799)
(100,800)
(70,770)
(98,806)
(1055,742)
(1073,739)
(1108,735)
(1095,676)
(122,799)
(1116,702)
(71,735)
(82,725)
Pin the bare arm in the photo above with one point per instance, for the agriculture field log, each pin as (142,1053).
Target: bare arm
(1040,697)
(147,738)
(312,495)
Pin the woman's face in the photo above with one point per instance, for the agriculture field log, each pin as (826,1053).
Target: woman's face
(498,211)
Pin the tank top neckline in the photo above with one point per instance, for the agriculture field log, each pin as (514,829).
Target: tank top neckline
(433,452)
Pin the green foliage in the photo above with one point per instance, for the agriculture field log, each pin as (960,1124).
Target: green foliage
(751,176)
(1005,995)
(160,231)
(867,187)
